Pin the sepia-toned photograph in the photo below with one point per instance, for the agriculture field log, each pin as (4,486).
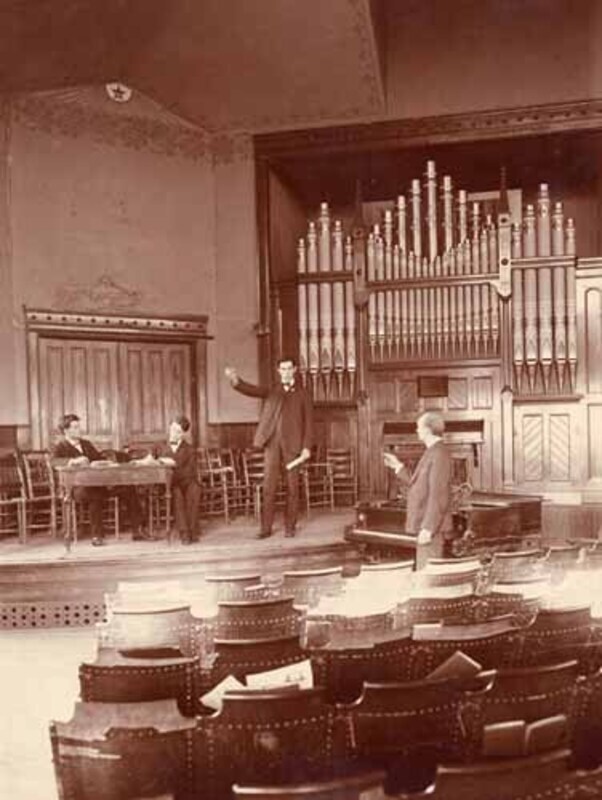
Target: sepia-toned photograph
(300,399)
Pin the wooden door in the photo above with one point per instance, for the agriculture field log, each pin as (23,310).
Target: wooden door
(156,384)
(81,377)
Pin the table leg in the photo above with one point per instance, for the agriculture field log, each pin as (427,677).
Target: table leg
(68,521)
(168,512)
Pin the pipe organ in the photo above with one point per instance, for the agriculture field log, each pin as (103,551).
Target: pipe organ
(443,282)
(432,269)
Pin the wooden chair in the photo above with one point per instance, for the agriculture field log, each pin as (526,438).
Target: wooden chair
(366,786)
(212,474)
(121,677)
(271,737)
(344,475)
(115,751)
(12,498)
(318,486)
(41,504)
(253,467)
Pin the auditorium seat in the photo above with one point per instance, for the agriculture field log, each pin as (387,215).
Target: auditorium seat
(115,751)
(530,778)
(492,644)
(239,657)
(273,737)
(367,786)
(342,671)
(406,719)
(516,566)
(231,587)
(527,695)
(252,619)
(138,676)
(308,586)
(553,628)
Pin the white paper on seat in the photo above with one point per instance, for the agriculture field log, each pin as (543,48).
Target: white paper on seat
(214,698)
(299,673)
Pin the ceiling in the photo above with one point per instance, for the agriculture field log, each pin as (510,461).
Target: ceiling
(221,64)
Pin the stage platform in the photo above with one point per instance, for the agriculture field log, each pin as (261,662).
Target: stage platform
(42,586)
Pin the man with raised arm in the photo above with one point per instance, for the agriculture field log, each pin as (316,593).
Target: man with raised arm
(285,433)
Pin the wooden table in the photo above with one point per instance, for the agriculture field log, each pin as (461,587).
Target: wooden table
(109,475)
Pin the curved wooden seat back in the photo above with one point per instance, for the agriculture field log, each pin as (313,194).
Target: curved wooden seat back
(502,779)
(115,678)
(270,737)
(344,672)
(243,656)
(114,750)
(266,618)
(308,586)
(399,718)
(231,587)
(356,787)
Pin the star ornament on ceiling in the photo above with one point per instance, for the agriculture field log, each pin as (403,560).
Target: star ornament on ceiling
(118,92)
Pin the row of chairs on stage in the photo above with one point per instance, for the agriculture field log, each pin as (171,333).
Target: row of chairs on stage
(230,485)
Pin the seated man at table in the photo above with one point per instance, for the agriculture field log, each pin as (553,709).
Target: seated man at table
(185,485)
(74,451)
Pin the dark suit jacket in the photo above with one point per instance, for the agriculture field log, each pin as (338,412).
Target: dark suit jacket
(64,449)
(429,491)
(185,470)
(298,433)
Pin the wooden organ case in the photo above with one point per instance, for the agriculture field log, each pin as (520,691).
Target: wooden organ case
(446,291)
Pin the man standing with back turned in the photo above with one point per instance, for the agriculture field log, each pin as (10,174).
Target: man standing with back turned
(428,512)
(284,431)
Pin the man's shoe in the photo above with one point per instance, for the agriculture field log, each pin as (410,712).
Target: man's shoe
(290,534)
(263,535)
(97,541)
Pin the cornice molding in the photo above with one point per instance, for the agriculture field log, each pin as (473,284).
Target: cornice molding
(46,320)
(393,134)
(141,133)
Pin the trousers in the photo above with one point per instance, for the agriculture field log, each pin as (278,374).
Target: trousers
(274,463)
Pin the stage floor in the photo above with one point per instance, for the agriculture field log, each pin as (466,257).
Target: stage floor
(43,585)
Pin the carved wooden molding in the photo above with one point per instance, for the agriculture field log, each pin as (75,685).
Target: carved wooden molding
(44,320)
(393,134)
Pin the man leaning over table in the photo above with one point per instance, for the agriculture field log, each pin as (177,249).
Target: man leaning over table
(75,451)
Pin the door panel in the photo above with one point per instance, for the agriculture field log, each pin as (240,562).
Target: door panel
(158,385)
(80,377)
